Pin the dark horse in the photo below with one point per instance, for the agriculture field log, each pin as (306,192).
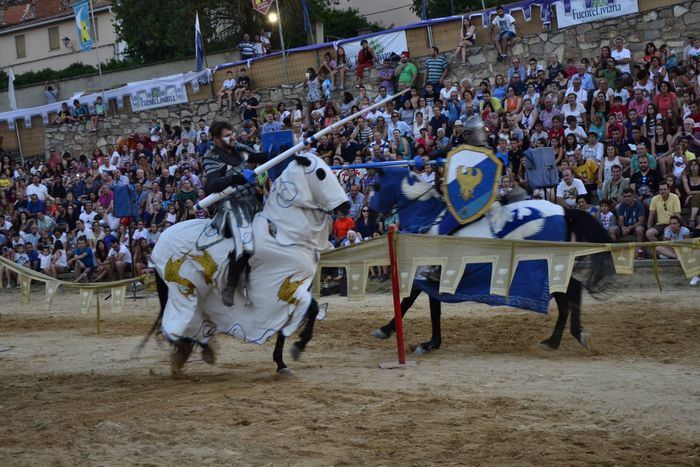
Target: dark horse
(397,188)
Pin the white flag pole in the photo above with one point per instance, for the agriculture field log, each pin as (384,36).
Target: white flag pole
(214,197)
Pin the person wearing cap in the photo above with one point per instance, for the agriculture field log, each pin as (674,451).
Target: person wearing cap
(406,72)
(458,137)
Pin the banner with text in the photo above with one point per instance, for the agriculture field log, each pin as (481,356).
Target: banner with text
(159,92)
(573,12)
(383,45)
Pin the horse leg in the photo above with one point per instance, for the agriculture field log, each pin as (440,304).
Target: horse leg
(308,331)
(435,320)
(554,340)
(575,294)
(387,330)
(277,356)
(182,349)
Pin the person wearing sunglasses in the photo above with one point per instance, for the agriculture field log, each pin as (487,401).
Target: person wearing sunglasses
(662,207)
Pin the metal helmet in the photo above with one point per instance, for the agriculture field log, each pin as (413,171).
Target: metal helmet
(475,131)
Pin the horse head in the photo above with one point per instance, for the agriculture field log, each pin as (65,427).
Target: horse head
(309,183)
(401,188)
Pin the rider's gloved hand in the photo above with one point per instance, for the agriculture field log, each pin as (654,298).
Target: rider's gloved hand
(250,176)
(418,161)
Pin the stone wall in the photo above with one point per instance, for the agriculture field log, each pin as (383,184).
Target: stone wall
(669,25)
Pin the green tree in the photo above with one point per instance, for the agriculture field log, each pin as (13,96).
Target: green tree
(440,8)
(345,23)
(152,37)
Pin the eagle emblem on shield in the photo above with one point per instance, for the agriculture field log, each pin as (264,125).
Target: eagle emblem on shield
(470,183)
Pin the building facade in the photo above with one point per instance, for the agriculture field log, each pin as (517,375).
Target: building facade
(42,34)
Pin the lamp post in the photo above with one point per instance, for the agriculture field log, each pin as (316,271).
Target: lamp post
(277,18)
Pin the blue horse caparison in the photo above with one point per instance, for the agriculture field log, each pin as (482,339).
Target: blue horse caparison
(420,209)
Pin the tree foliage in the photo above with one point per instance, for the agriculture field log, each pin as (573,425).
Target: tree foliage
(440,8)
(161,30)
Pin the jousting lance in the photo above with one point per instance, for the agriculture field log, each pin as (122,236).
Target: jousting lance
(214,197)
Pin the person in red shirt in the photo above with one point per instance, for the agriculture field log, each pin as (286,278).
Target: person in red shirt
(365,59)
(618,109)
(665,100)
(557,130)
(341,226)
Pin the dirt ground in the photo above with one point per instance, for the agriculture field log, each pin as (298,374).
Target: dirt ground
(489,396)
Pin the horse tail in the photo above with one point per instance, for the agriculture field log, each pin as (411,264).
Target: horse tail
(587,229)
(162,289)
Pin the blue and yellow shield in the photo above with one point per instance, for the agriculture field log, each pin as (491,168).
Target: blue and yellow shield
(470,184)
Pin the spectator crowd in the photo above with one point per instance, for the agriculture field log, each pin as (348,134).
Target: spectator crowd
(624,131)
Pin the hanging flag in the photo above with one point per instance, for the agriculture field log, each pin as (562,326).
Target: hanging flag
(307,21)
(262,6)
(11,89)
(81,10)
(198,44)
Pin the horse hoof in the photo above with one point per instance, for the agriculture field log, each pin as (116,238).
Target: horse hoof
(208,354)
(181,353)
(585,341)
(379,334)
(547,346)
(421,349)
(284,372)
(296,352)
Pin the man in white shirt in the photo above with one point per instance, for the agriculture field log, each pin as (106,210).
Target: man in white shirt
(187,145)
(447,90)
(506,32)
(569,189)
(396,124)
(604,89)
(88,215)
(117,263)
(106,167)
(37,188)
(622,56)
(81,231)
(202,128)
(577,88)
(227,89)
(593,149)
(140,231)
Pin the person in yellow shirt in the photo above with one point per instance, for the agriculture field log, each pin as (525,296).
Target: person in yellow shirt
(662,207)
(586,170)
(5,182)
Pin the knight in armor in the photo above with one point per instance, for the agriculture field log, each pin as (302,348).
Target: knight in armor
(225,166)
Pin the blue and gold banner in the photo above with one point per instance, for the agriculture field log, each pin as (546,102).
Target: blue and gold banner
(81,10)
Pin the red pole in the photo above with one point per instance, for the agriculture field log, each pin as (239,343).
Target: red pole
(400,348)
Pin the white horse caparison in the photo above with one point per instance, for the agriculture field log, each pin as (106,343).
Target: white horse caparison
(191,260)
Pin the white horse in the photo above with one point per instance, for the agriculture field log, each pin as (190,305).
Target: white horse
(191,260)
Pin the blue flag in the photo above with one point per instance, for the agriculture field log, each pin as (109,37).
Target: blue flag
(198,45)
(307,21)
(81,10)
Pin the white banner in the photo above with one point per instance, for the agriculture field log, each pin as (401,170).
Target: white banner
(382,45)
(155,93)
(573,12)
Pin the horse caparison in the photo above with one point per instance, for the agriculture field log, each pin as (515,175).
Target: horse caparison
(584,228)
(183,348)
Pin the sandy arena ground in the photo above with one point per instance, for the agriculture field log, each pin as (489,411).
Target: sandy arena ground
(489,396)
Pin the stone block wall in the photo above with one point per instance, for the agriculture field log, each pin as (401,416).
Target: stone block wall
(669,25)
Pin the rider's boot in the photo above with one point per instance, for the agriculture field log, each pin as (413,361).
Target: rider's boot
(235,269)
